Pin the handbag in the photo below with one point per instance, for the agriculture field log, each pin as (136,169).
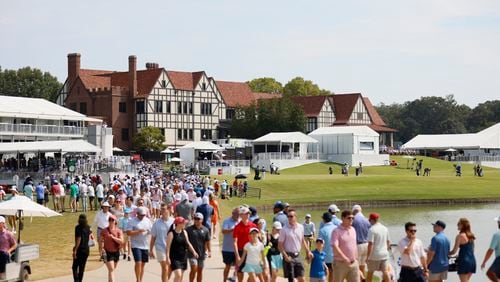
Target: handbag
(91,243)
(452,265)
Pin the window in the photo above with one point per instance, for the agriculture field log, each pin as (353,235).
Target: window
(179,107)
(122,107)
(72,106)
(206,108)
(164,83)
(83,108)
(190,106)
(366,146)
(206,134)
(139,107)
(184,108)
(360,115)
(312,124)
(162,130)
(179,134)
(230,113)
(190,134)
(158,107)
(125,134)
(203,86)
(169,109)
(185,134)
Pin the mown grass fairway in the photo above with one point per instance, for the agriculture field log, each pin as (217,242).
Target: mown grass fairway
(313,184)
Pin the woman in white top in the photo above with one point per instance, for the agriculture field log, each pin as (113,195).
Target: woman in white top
(253,256)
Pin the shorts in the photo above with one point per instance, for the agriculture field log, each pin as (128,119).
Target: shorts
(255,268)
(343,270)
(161,256)
(228,258)
(315,279)
(377,265)
(40,201)
(140,255)
(112,256)
(240,267)
(198,262)
(276,262)
(362,253)
(91,199)
(329,266)
(177,264)
(438,275)
(495,267)
(155,205)
(293,269)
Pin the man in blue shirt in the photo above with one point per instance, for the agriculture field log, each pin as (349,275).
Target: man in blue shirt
(40,193)
(437,255)
(318,270)
(279,215)
(325,233)
(361,225)
(228,256)
(493,272)
(159,233)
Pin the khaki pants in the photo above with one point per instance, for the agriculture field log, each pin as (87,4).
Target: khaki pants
(343,270)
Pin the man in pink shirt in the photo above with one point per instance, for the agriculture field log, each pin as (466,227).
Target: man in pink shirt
(7,246)
(345,250)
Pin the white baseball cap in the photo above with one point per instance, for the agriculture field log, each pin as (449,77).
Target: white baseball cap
(2,219)
(277,225)
(333,208)
(356,207)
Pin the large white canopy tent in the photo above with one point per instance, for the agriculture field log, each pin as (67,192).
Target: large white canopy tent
(284,142)
(63,146)
(189,152)
(488,138)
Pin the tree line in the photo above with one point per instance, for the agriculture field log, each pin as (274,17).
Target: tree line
(438,115)
(29,82)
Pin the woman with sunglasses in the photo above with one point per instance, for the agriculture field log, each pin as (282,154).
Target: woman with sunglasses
(177,247)
(466,262)
(111,240)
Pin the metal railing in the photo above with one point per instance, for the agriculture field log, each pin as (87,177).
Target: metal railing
(477,158)
(286,156)
(35,129)
(221,163)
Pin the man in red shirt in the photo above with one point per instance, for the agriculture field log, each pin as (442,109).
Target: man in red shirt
(241,237)
(56,195)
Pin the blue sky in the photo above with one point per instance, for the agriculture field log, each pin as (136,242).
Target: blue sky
(391,51)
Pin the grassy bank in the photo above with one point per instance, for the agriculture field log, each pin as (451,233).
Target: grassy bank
(312,184)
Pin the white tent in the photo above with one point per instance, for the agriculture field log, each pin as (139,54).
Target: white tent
(285,137)
(64,146)
(190,152)
(203,145)
(116,149)
(167,151)
(488,138)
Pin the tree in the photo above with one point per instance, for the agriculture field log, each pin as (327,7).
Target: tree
(484,115)
(28,82)
(266,85)
(148,139)
(301,87)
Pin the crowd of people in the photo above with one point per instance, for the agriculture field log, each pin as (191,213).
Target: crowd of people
(172,217)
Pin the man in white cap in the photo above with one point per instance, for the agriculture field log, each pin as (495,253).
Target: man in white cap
(361,225)
(333,210)
(199,237)
(138,229)
(493,272)
(7,246)
(101,220)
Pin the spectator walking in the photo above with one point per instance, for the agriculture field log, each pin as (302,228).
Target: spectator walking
(466,261)
(215,218)
(413,258)
(291,241)
(159,233)
(493,272)
(101,221)
(345,250)
(81,250)
(122,224)
(253,255)
(40,193)
(319,270)
(138,229)
(325,233)
(309,230)
(177,247)
(199,237)
(437,254)
(378,249)
(111,239)
(274,257)
(241,237)
(361,225)
(228,256)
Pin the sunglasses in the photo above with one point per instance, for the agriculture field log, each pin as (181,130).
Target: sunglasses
(291,216)
(350,217)
(197,218)
(412,230)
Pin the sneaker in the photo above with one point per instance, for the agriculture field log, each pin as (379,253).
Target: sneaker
(124,256)
(231,279)
(128,258)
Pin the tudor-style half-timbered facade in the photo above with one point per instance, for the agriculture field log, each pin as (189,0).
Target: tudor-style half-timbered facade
(318,111)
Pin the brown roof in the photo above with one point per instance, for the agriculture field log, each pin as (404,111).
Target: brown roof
(376,119)
(235,93)
(184,80)
(344,105)
(381,128)
(311,105)
(146,79)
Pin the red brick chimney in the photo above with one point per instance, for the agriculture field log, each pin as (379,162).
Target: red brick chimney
(152,66)
(73,67)
(132,75)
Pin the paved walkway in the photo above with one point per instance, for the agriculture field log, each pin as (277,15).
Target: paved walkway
(125,271)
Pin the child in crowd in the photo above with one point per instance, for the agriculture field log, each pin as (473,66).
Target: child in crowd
(309,230)
(253,252)
(318,271)
(123,225)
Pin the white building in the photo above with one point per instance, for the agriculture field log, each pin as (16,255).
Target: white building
(349,144)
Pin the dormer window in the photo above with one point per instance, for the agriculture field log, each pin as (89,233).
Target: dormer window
(203,86)
(164,83)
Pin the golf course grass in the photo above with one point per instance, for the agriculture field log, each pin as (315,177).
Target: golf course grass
(301,185)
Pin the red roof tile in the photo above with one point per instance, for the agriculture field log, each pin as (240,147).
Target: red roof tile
(375,117)
(235,93)
(344,105)
(381,128)
(263,95)
(184,80)
(311,105)
(92,79)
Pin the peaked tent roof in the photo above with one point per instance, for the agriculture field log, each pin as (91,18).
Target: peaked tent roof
(203,145)
(359,130)
(65,146)
(38,108)
(285,137)
(311,105)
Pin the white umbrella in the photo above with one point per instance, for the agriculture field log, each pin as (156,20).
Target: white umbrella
(450,150)
(168,151)
(176,159)
(116,149)
(22,205)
